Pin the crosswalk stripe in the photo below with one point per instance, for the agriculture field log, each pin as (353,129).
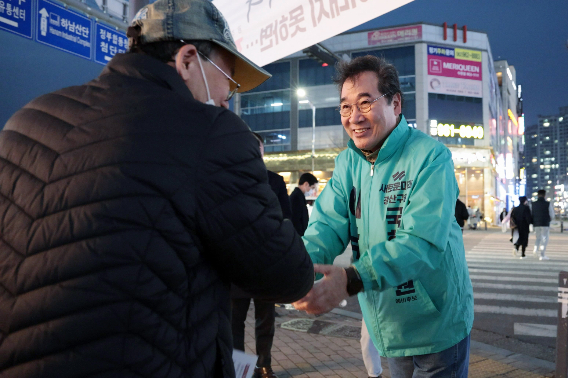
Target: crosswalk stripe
(513,279)
(484,285)
(542,330)
(500,271)
(516,311)
(516,297)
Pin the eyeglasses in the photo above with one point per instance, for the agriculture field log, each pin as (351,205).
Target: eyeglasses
(364,106)
(237,85)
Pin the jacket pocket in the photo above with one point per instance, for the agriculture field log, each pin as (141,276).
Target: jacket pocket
(411,301)
(407,317)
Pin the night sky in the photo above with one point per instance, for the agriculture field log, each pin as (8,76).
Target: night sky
(530,34)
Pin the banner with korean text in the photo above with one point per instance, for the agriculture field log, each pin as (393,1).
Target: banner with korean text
(454,71)
(268,30)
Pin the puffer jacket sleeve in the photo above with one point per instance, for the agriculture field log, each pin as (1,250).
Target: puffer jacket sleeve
(239,219)
(424,230)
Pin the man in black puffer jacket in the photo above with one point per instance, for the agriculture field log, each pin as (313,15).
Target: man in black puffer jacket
(128,206)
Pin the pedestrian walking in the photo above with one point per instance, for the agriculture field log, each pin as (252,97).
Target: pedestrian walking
(461,213)
(306,187)
(478,217)
(131,203)
(502,215)
(393,195)
(522,218)
(264,312)
(543,213)
(470,220)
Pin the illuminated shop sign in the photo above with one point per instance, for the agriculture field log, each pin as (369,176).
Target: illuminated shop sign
(456,130)
(470,157)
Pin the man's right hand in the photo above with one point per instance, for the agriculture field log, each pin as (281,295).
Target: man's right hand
(327,293)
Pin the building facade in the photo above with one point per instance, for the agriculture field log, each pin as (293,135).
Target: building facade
(451,91)
(545,159)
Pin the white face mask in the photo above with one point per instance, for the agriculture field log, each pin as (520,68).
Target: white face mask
(310,193)
(210,100)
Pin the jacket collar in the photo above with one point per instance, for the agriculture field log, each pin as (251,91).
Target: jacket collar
(145,67)
(396,138)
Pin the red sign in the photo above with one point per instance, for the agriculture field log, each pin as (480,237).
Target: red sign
(450,67)
(382,37)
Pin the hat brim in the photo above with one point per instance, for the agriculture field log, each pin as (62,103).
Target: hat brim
(247,74)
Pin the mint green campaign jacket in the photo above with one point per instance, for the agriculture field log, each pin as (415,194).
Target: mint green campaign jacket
(407,246)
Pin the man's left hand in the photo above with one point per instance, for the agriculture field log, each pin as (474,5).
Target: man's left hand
(327,293)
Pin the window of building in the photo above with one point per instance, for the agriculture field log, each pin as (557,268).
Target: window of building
(401,57)
(547,152)
(266,109)
(280,78)
(534,176)
(324,117)
(312,73)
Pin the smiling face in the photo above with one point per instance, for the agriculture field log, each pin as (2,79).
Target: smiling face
(369,130)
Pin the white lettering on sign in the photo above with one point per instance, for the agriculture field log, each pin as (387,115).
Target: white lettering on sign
(461,67)
(463,131)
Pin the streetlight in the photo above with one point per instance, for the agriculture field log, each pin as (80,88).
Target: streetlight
(302,93)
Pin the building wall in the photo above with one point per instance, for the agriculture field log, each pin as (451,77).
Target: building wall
(546,159)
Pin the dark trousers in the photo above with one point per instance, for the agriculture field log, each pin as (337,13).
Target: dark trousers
(264,314)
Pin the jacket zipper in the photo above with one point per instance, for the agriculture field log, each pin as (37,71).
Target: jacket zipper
(372,169)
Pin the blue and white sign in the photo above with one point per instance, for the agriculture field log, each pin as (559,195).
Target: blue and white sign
(16,17)
(63,29)
(108,42)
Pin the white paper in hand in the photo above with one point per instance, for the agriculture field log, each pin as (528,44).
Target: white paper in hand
(244,364)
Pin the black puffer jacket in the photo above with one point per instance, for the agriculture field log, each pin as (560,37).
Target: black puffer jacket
(126,210)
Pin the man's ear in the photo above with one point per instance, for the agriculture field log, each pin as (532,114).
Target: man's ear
(397,104)
(185,58)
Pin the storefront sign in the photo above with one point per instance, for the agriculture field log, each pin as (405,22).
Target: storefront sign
(397,35)
(470,157)
(16,17)
(108,42)
(265,31)
(457,63)
(63,29)
(456,130)
(456,87)
(454,71)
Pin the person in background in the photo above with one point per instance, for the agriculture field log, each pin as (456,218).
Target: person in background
(264,312)
(522,218)
(543,213)
(461,213)
(130,204)
(306,187)
(478,217)
(371,357)
(502,215)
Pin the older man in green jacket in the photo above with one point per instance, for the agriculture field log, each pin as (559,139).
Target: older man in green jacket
(392,196)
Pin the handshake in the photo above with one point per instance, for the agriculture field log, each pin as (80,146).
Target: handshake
(327,293)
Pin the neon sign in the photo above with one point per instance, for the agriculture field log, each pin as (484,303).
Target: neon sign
(456,129)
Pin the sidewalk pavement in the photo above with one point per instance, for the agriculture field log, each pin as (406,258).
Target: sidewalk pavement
(307,346)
